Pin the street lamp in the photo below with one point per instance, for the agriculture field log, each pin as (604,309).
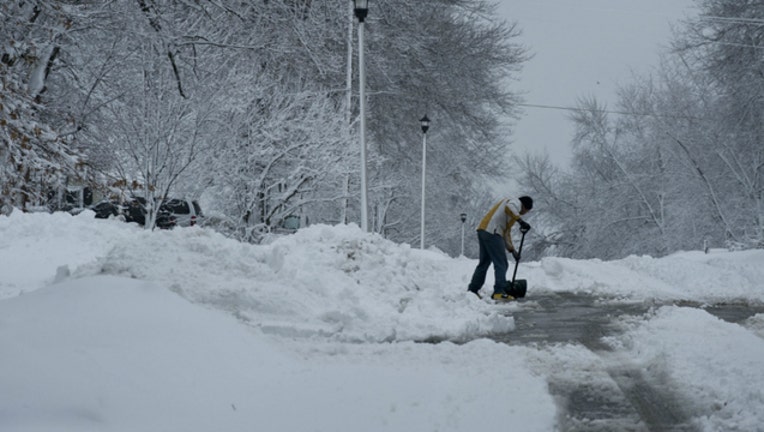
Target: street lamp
(463,216)
(361,9)
(425,126)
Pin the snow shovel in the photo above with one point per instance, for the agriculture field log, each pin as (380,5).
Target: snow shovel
(517,287)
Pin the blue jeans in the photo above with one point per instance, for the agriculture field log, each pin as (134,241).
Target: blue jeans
(492,251)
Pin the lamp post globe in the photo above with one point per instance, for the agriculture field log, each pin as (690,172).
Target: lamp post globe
(361,9)
(463,217)
(425,123)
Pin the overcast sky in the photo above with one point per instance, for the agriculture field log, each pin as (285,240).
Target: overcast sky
(583,48)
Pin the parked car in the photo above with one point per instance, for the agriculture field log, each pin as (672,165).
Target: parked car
(133,210)
(182,212)
(172,212)
(105,208)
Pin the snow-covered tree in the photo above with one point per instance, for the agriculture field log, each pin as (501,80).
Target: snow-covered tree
(282,161)
(35,157)
(725,44)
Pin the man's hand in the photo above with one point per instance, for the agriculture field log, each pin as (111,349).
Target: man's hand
(524,227)
(515,254)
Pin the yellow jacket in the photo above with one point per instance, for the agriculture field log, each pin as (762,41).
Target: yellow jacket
(500,218)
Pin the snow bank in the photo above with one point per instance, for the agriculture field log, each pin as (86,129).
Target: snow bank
(113,354)
(715,365)
(36,247)
(692,276)
(339,282)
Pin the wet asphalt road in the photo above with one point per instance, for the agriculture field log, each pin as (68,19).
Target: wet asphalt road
(610,394)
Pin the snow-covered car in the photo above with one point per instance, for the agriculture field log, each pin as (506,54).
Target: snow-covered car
(181,212)
(134,210)
(105,208)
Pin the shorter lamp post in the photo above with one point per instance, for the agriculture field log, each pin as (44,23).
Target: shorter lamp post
(463,217)
(425,126)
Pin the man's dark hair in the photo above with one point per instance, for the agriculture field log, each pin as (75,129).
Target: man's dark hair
(527,202)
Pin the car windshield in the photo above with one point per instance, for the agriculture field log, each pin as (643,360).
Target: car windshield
(177,206)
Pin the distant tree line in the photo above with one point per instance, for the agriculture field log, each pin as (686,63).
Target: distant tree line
(679,163)
(252,106)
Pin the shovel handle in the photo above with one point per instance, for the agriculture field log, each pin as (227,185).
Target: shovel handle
(519,251)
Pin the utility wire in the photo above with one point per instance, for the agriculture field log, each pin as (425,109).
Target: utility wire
(626,113)
(555,107)
(738,20)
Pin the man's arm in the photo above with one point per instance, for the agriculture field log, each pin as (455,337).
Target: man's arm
(512,215)
(508,242)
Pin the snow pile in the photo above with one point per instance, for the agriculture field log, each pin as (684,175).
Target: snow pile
(715,365)
(329,281)
(35,247)
(114,354)
(693,276)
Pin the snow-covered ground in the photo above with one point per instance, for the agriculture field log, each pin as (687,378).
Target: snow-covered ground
(107,327)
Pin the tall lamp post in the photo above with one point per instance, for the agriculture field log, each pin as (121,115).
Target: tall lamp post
(425,126)
(361,9)
(463,217)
